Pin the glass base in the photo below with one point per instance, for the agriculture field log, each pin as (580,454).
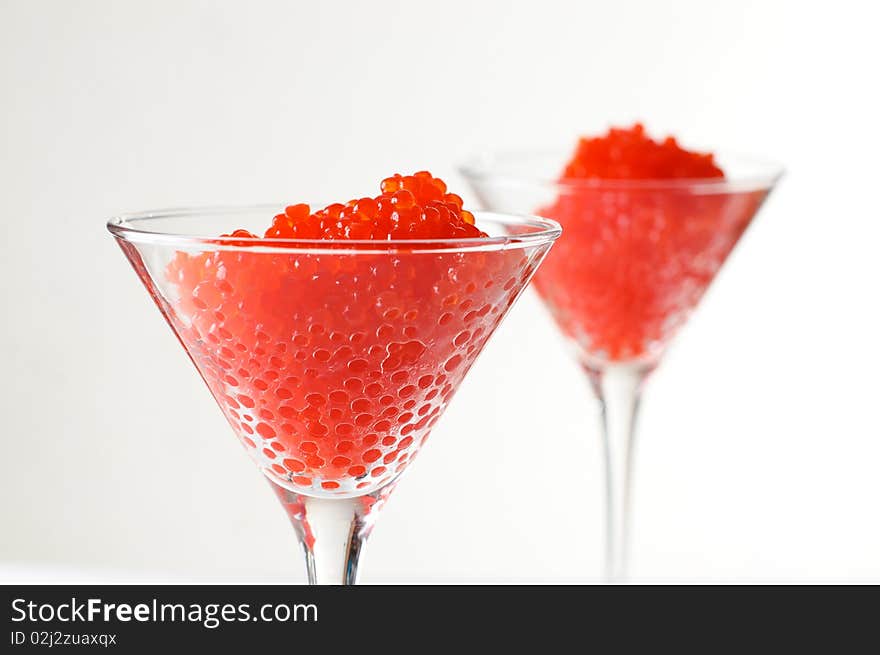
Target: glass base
(332,532)
(618,388)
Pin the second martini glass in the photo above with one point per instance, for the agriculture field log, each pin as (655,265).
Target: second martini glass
(331,360)
(635,259)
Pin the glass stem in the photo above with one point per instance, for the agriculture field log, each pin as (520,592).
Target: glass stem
(618,388)
(332,531)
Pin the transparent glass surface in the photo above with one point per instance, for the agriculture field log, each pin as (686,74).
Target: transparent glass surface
(331,360)
(635,258)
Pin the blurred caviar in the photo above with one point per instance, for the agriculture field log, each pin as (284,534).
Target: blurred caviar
(630,154)
(634,260)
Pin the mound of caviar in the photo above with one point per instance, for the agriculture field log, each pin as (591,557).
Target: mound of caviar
(630,154)
(332,368)
(634,259)
(409,207)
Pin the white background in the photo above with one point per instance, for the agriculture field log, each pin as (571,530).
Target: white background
(759,449)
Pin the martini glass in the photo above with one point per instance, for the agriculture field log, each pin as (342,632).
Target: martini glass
(331,360)
(635,260)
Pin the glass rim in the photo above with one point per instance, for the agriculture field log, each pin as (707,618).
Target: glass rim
(126,227)
(482,167)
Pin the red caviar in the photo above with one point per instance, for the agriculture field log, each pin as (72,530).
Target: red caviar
(409,207)
(635,258)
(630,154)
(333,368)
